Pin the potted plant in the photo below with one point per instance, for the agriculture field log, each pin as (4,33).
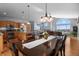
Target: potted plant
(73,34)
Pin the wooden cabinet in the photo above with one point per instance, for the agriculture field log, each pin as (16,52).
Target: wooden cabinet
(5,23)
(21,35)
(1,43)
(18,35)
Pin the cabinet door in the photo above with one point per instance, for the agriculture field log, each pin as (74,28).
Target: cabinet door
(1,43)
(21,36)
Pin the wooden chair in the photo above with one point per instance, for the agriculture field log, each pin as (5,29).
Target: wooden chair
(55,51)
(59,47)
(62,49)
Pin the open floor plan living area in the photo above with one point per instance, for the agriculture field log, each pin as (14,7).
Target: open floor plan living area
(39,29)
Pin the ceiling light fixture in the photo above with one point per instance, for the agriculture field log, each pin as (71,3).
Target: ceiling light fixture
(46,18)
(28,14)
(5,13)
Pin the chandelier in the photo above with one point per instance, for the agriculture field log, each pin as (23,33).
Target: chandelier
(46,18)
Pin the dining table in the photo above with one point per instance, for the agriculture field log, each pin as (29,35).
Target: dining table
(39,47)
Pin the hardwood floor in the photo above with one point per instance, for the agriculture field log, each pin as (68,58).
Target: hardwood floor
(72,48)
(67,46)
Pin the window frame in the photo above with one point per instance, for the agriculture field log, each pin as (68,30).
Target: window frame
(62,24)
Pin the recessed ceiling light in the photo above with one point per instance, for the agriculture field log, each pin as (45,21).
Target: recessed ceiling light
(4,13)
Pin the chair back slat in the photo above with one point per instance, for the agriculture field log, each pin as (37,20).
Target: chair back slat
(54,52)
(60,43)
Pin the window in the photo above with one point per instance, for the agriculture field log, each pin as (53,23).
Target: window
(36,26)
(44,26)
(63,24)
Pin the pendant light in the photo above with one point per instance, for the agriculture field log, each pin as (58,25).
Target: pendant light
(28,13)
(46,18)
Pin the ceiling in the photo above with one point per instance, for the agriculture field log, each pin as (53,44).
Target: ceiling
(19,11)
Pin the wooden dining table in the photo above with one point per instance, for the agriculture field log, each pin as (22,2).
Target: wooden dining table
(43,49)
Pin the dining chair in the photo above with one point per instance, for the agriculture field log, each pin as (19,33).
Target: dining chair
(55,51)
(62,49)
